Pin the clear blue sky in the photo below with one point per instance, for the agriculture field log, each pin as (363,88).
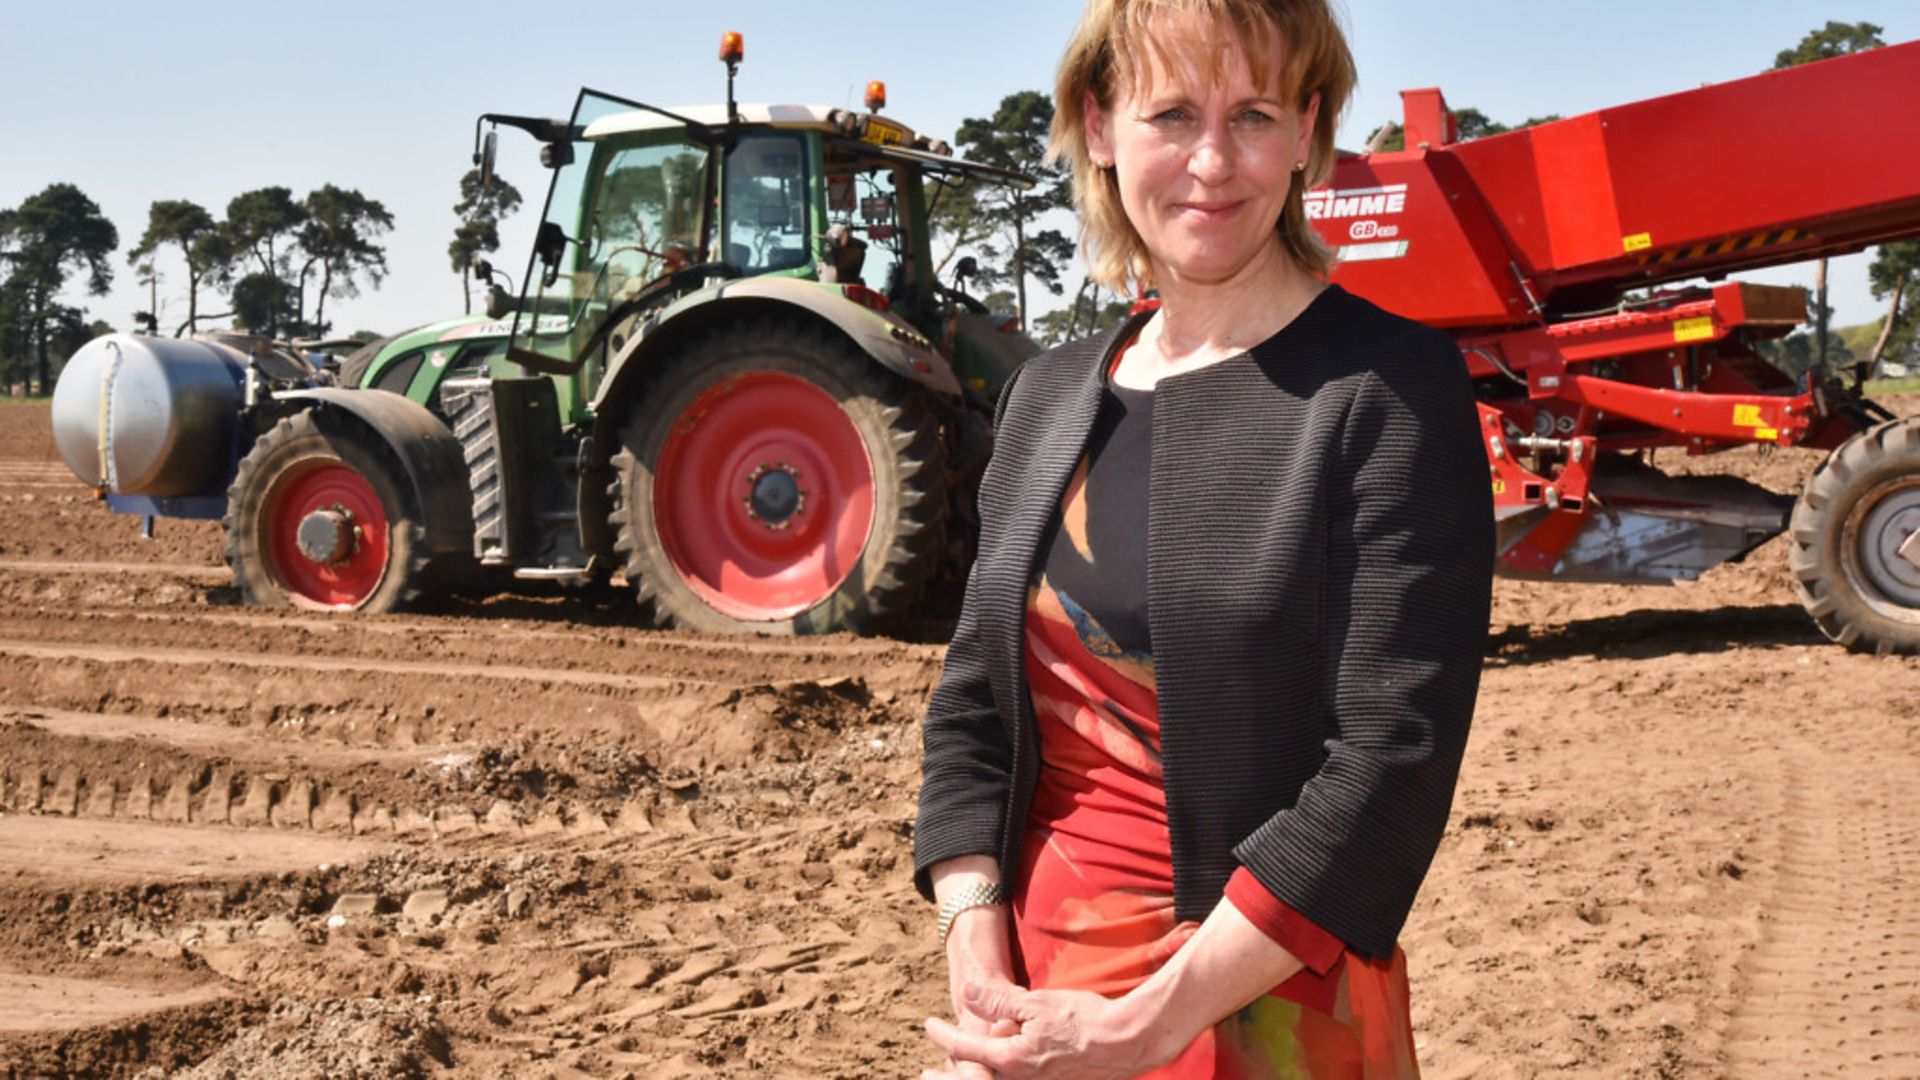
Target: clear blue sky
(137,101)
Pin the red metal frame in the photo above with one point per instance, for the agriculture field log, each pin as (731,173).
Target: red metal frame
(1708,181)
(1531,248)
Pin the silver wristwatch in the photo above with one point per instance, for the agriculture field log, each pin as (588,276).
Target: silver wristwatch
(980,894)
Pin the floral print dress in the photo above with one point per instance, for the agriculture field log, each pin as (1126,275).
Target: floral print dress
(1094,908)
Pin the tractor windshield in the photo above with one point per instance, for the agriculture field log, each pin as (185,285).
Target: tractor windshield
(766,203)
(624,213)
(645,220)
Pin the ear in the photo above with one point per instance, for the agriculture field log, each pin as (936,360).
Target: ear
(1309,118)
(1098,130)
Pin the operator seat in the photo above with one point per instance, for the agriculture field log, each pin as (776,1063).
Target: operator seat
(846,256)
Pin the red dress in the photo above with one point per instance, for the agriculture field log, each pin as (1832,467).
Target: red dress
(1093,909)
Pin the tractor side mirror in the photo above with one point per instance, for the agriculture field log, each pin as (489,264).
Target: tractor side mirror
(550,244)
(966,268)
(498,304)
(484,159)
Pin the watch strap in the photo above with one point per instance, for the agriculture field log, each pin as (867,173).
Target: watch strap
(979,894)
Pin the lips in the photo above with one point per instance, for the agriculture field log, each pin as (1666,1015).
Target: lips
(1208,211)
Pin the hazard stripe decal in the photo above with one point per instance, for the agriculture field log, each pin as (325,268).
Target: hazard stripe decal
(1753,242)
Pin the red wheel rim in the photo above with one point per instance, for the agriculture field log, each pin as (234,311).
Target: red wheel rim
(726,473)
(326,487)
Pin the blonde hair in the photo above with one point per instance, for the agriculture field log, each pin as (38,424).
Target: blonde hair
(1112,51)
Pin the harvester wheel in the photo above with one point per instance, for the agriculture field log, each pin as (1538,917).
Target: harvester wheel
(1855,535)
(320,519)
(774,479)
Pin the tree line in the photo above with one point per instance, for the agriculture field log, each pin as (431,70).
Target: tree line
(43,242)
(266,257)
(270,248)
(1893,276)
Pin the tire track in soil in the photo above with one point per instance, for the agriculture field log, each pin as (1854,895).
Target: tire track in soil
(1833,988)
(402,660)
(240,744)
(455,626)
(513,655)
(357,665)
(189,571)
(593,727)
(31,1003)
(59,849)
(141,769)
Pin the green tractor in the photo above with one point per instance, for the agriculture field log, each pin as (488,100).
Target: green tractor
(729,374)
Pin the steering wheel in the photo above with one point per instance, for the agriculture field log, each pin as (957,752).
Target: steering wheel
(958,297)
(663,256)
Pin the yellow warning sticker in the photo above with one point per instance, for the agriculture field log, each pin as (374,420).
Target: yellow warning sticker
(1700,329)
(881,133)
(1766,434)
(1499,487)
(1637,242)
(1747,416)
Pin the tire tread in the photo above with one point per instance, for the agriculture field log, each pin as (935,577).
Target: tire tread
(1814,531)
(919,500)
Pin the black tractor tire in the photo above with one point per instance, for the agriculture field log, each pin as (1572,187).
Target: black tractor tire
(852,400)
(332,474)
(1854,515)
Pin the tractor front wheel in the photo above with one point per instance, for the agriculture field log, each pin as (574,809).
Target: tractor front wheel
(774,479)
(318,518)
(1855,535)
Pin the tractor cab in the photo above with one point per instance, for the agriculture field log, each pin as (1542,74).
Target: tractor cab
(650,207)
(730,373)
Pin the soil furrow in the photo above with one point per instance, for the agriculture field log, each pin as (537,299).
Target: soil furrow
(76,765)
(179,657)
(56,849)
(220,739)
(905,673)
(186,571)
(38,1002)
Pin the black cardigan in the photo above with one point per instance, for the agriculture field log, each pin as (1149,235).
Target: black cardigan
(1320,552)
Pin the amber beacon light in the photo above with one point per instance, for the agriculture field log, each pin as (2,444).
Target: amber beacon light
(876,96)
(733,47)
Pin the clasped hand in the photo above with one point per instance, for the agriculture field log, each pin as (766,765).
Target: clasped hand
(1040,1035)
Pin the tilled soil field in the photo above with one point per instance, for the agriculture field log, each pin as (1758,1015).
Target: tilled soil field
(521,837)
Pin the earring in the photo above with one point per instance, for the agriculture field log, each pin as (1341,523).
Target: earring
(1102,163)
(1299,166)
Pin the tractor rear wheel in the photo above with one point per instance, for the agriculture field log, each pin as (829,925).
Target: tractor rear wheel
(320,519)
(1855,536)
(774,479)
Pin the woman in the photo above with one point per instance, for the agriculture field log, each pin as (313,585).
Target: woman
(1200,722)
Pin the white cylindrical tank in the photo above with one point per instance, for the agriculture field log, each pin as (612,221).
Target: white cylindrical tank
(139,415)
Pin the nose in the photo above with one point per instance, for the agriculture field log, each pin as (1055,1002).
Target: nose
(1212,160)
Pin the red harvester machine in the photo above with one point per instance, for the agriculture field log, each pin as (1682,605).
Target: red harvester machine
(1551,255)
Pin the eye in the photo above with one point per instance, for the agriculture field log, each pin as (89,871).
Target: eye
(1256,116)
(1174,115)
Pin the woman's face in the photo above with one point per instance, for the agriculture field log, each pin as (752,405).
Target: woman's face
(1203,165)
